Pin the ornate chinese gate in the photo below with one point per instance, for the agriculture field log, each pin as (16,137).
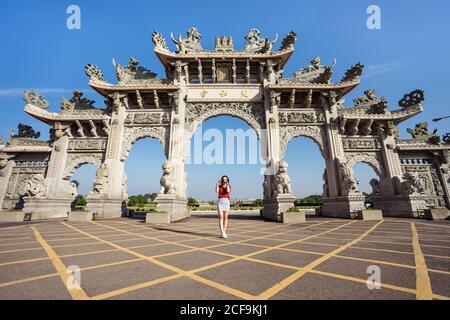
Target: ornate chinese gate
(412,174)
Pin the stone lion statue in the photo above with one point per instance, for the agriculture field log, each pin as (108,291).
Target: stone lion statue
(168,179)
(34,187)
(282,180)
(375,183)
(413,184)
(73,188)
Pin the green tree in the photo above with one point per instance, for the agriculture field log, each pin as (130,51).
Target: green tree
(259,203)
(80,201)
(192,202)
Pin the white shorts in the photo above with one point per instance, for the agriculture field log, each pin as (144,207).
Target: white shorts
(223,205)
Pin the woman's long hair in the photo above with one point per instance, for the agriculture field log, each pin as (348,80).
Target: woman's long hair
(221,180)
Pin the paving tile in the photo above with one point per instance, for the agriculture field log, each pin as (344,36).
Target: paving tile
(159,249)
(326,288)
(97,259)
(177,289)
(44,289)
(21,271)
(379,256)
(247,276)
(296,259)
(398,276)
(193,260)
(102,280)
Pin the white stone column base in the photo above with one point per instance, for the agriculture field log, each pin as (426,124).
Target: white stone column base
(11,216)
(84,216)
(175,207)
(294,217)
(345,207)
(437,214)
(43,208)
(106,208)
(274,208)
(412,206)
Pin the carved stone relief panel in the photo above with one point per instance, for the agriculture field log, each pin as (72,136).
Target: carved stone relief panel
(87,144)
(293,117)
(361,144)
(149,118)
(17,185)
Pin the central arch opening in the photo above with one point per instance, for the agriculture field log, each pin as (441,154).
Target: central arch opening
(143,170)
(225,145)
(306,170)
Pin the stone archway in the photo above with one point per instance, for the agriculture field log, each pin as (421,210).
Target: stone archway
(134,134)
(370,159)
(197,113)
(75,161)
(316,133)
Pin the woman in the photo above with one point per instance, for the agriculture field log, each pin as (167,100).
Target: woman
(223,189)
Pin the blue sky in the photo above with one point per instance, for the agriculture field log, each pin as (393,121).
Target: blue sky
(38,51)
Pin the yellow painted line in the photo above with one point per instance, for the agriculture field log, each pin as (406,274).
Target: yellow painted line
(295,276)
(423,283)
(77,294)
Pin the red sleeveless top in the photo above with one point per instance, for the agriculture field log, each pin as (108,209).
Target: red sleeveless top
(223,192)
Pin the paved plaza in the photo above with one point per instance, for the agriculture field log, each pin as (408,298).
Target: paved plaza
(128,259)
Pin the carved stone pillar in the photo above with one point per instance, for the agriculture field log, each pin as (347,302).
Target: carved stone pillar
(109,201)
(278,197)
(172,198)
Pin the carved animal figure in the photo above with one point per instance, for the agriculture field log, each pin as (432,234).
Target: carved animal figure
(73,188)
(26,131)
(375,187)
(34,187)
(413,184)
(190,44)
(257,45)
(282,180)
(168,179)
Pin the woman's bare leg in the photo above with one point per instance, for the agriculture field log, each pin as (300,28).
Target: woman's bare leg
(225,221)
(221,222)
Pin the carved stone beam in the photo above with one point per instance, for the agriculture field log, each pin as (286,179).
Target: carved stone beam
(93,129)
(354,127)
(80,130)
(292,99)
(366,128)
(213,70)
(234,70)
(308,99)
(156,99)
(139,100)
(247,71)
